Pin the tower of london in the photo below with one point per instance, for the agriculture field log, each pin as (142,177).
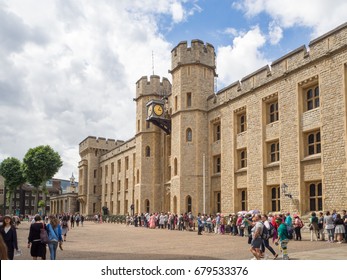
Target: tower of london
(273,141)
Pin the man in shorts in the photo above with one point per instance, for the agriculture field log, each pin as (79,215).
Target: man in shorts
(257,230)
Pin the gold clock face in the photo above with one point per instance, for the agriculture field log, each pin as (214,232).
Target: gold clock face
(149,110)
(158,110)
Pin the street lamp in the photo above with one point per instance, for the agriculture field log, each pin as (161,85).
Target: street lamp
(285,192)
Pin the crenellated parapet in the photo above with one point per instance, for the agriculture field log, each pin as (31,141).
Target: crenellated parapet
(321,48)
(92,142)
(197,53)
(153,86)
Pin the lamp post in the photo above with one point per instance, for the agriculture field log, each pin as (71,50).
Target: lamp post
(285,192)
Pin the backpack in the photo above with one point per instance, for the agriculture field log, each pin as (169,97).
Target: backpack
(64,225)
(265,233)
(271,230)
(289,232)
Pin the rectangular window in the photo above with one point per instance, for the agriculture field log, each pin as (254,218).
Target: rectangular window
(176,105)
(313,143)
(243,200)
(126,184)
(274,151)
(112,187)
(119,166)
(275,198)
(273,111)
(94,189)
(126,163)
(189,99)
(312,97)
(112,168)
(106,170)
(118,186)
(241,122)
(242,154)
(95,171)
(217,164)
(315,196)
(216,131)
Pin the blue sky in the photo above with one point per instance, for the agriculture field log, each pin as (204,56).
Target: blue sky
(68,68)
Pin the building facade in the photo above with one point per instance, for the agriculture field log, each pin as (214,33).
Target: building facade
(274,141)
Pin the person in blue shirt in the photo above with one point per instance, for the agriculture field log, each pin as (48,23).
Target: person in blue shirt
(54,235)
(282,240)
(289,220)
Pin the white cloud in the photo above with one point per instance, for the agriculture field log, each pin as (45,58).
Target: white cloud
(70,70)
(320,15)
(242,58)
(232,31)
(275,33)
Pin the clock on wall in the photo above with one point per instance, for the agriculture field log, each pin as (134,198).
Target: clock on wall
(149,110)
(158,110)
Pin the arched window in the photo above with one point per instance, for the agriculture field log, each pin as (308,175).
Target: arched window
(148,151)
(175,166)
(147,208)
(189,203)
(189,135)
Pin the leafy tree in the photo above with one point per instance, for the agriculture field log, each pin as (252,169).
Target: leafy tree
(40,164)
(11,170)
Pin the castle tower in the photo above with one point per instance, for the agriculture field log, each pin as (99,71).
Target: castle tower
(193,73)
(89,191)
(149,188)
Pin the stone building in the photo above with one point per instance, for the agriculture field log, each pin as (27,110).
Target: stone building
(274,141)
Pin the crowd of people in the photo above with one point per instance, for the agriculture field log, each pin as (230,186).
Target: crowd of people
(280,228)
(260,229)
(55,227)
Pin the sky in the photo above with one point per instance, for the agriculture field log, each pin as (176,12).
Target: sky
(68,68)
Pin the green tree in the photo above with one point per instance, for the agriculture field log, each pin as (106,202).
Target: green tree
(40,164)
(11,170)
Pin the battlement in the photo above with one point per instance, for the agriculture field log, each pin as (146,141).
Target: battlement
(321,48)
(153,86)
(122,148)
(99,143)
(197,53)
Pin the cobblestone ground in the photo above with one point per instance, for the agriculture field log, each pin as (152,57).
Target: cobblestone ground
(119,242)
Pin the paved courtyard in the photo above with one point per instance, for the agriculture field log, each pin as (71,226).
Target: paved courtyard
(119,242)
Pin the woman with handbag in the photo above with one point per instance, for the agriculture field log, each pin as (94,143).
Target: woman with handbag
(38,249)
(54,235)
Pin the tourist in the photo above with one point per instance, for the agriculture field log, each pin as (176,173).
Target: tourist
(329,226)
(82,220)
(339,228)
(72,221)
(256,236)
(282,239)
(298,225)
(200,224)
(54,236)
(37,248)
(266,243)
(9,235)
(314,226)
(321,226)
(64,227)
